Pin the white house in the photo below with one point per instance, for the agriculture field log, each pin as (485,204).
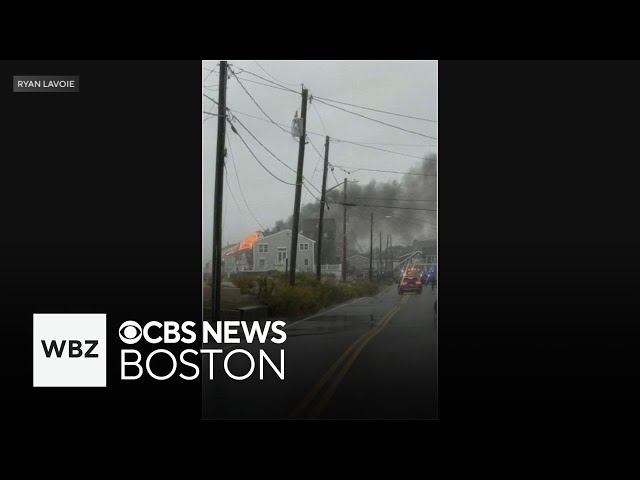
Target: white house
(273,252)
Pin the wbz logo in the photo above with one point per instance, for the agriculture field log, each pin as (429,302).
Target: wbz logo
(75,348)
(69,350)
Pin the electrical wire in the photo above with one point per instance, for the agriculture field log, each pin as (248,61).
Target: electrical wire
(376,120)
(348,169)
(257,159)
(380,149)
(233,160)
(396,207)
(242,70)
(274,155)
(236,112)
(256,103)
(394,199)
(208,74)
(319,117)
(376,110)
(290,84)
(264,84)
(233,197)
(207,96)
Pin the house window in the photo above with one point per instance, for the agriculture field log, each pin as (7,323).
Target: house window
(304,246)
(261,263)
(306,262)
(282,255)
(263,248)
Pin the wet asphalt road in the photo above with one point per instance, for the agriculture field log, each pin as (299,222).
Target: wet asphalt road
(372,358)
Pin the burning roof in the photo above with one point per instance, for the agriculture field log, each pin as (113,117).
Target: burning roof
(246,243)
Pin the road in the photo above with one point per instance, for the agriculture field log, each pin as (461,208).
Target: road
(372,358)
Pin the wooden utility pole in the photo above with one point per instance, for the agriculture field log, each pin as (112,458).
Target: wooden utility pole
(371,251)
(323,198)
(344,232)
(296,208)
(391,251)
(216,261)
(380,256)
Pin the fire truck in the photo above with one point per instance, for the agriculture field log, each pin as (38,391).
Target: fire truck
(412,279)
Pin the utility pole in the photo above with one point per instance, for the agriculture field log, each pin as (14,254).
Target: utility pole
(391,251)
(371,251)
(380,257)
(323,198)
(386,256)
(344,232)
(216,264)
(296,207)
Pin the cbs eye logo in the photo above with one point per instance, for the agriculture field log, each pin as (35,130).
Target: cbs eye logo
(130,332)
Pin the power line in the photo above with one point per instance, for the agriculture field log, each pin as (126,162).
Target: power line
(233,160)
(321,121)
(389,144)
(263,146)
(381,149)
(265,84)
(380,111)
(334,176)
(397,207)
(290,84)
(209,112)
(236,112)
(337,140)
(376,120)
(207,96)
(208,74)
(394,199)
(256,103)
(226,177)
(314,171)
(242,70)
(348,169)
(405,217)
(257,159)
(273,154)
(280,84)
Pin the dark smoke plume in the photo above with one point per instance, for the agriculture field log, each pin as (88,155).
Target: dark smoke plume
(381,198)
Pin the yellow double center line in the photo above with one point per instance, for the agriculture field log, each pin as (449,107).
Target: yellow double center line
(332,377)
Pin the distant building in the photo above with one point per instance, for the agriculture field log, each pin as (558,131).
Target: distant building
(273,252)
(358,263)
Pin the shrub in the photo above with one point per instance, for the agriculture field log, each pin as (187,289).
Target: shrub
(308,296)
(244,282)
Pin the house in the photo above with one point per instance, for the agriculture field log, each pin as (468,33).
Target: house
(358,263)
(273,252)
(239,257)
(429,249)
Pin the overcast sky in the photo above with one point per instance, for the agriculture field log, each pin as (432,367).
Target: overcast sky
(406,87)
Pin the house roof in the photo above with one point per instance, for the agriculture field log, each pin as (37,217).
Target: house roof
(286,230)
(246,243)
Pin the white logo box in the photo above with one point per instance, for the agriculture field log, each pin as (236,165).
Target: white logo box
(65,370)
